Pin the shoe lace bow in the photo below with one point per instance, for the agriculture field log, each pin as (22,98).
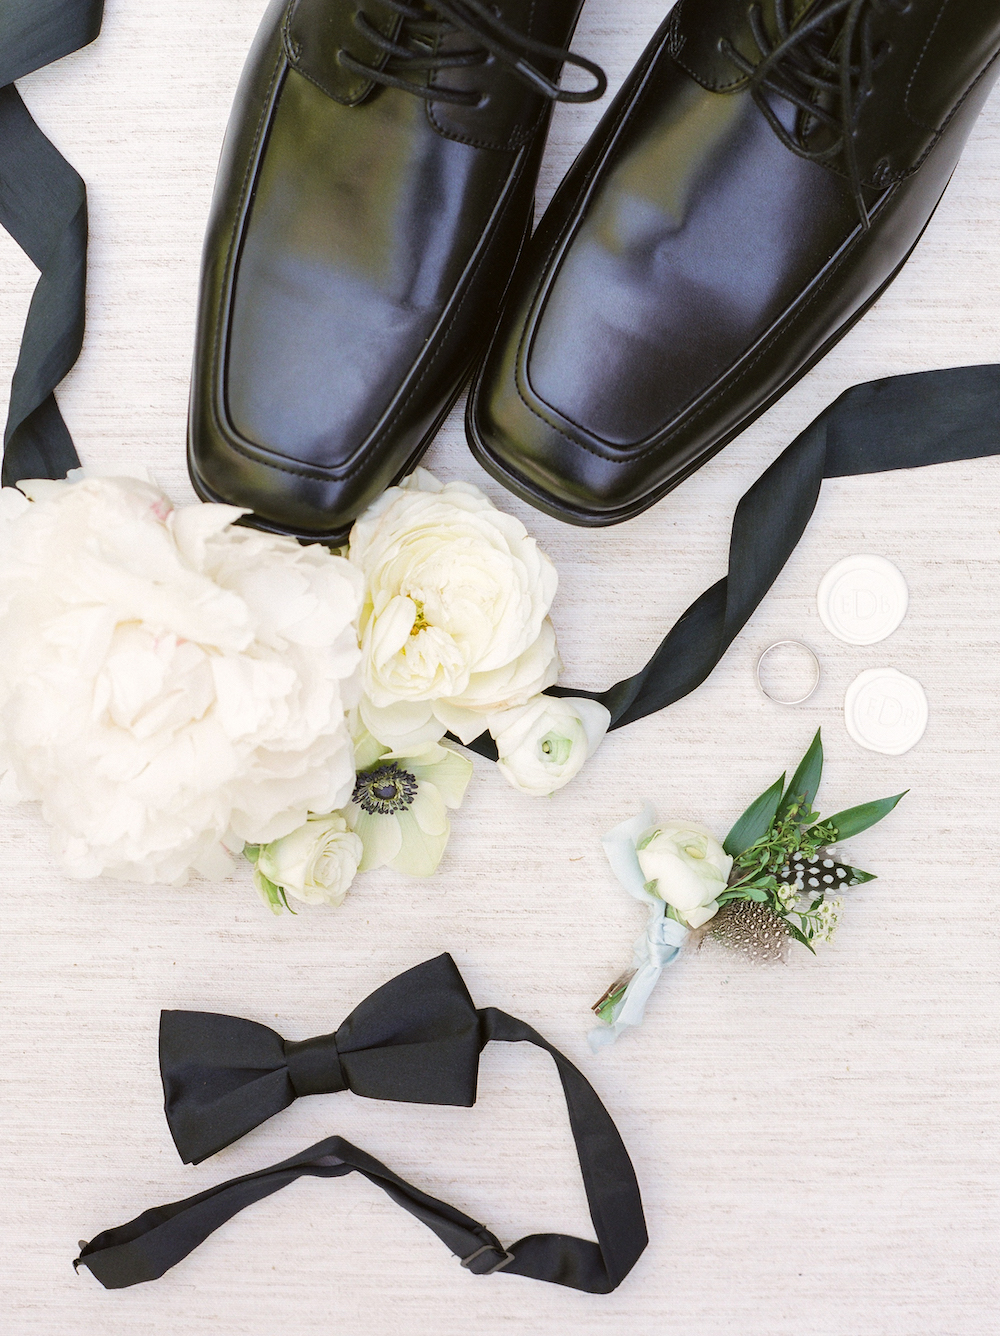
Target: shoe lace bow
(413,50)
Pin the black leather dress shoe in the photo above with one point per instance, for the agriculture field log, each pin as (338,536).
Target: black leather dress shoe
(376,187)
(761,178)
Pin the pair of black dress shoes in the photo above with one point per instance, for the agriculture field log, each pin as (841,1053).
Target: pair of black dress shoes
(758,181)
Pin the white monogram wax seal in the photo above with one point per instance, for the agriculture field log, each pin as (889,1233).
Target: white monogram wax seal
(862,599)
(885,711)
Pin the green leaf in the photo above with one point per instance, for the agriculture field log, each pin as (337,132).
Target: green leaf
(857,877)
(856,819)
(805,781)
(755,822)
(754,894)
(272,895)
(799,936)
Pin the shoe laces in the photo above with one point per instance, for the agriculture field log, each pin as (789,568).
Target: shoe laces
(412,50)
(825,67)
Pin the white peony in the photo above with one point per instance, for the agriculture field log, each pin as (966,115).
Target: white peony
(542,745)
(685,865)
(316,863)
(168,681)
(455,624)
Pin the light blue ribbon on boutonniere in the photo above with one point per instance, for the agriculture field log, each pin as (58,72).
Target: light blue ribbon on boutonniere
(660,943)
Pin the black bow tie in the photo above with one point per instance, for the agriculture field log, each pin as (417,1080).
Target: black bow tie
(417,1039)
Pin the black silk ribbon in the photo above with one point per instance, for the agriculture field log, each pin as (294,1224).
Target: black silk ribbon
(418,1038)
(43,205)
(902,422)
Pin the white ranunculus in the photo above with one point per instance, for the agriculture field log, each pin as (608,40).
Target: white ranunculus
(455,624)
(542,745)
(169,681)
(685,865)
(315,863)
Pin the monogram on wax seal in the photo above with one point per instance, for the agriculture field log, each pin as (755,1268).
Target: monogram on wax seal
(885,711)
(862,599)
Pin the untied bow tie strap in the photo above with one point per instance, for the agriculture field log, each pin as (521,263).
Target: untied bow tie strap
(159,1238)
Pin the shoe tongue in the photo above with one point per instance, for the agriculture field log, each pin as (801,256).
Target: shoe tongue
(508,111)
(315,33)
(930,56)
(698,27)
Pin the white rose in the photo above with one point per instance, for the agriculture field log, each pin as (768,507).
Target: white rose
(316,863)
(455,624)
(543,744)
(687,867)
(169,681)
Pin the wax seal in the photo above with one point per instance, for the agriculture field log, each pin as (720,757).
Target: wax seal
(862,599)
(885,711)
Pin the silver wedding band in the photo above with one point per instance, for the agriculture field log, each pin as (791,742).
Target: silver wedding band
(777,699)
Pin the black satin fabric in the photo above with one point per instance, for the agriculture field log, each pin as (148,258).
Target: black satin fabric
(417,1039)
(902,422)
(43,205)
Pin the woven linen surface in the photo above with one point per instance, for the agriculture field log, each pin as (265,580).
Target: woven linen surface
(816,1143)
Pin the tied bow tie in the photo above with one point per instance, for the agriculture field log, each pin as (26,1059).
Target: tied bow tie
(418,1039)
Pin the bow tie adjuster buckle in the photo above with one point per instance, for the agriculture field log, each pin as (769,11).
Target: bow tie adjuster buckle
(505,1259)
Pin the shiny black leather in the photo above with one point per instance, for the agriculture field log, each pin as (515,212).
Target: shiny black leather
(692,266)
(360,241)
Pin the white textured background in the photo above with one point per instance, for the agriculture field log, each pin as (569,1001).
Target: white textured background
(817,1144)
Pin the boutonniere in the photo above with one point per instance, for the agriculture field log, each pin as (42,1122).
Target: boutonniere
(771,882)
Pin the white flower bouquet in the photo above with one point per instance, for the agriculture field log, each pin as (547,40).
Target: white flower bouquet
(175,686)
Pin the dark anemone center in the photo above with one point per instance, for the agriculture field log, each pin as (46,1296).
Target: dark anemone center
(386,790)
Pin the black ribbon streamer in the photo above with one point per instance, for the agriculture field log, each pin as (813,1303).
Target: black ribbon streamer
(43,205)
(417,1038)
(902,422)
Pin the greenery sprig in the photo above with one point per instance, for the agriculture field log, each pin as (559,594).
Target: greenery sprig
(780,852)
